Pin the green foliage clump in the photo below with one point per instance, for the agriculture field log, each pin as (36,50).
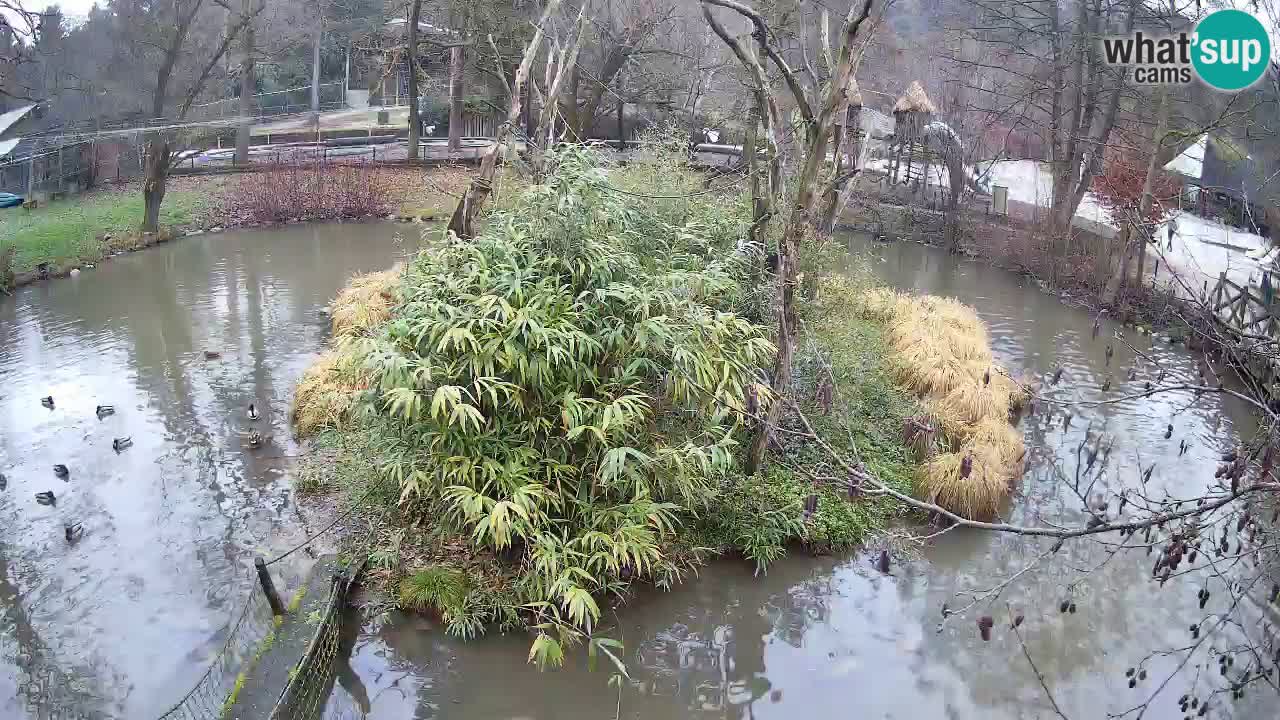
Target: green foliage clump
(442,589)
(563,397)
(760,516)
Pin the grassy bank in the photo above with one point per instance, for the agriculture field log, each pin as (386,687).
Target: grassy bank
(83,229)
(558,409)
(71,231)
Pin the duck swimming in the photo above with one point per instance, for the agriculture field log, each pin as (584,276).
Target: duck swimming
(46,498)
(212,355)
(73,532)
(254,439)
(47,402)
(105,410)
(4,481)
(61,471)
(119,444)
(253,412)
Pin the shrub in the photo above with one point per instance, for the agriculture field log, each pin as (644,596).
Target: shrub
(310,191)
(567,401)
(1119,191)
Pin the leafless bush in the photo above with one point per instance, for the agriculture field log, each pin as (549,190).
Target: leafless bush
(310,191)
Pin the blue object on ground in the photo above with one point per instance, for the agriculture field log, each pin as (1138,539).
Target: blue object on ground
(9,200)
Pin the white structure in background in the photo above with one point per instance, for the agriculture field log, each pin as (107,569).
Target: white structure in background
(9,122)
(1190,162)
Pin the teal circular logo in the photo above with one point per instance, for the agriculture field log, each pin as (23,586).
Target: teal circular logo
(1231,50)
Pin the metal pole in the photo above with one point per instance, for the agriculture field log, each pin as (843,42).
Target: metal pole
(268,587)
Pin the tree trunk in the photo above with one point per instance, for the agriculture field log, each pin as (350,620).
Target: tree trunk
(315,59)
(153,186)
(529,128)
(246,88)
(1135,237)
(462,224)
(622,133)
(456,59)
(749,156)
(569,105)
(415,124)
(830,199)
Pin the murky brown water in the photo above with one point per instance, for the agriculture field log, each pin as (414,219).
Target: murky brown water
(120,624)
(831,638)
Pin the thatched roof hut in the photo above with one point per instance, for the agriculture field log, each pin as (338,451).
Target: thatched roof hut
(912,112)
(852,104)
(914,100)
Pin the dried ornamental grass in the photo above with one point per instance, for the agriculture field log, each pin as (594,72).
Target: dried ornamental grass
(365,302)
(942,354)
(977,494)
(328,391)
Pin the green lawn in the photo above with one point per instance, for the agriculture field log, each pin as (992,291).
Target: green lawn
(64,233)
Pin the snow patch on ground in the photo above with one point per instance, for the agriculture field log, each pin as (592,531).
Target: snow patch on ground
(1202,249)
(1199,250)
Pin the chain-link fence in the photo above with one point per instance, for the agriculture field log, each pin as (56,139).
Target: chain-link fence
(309,694)
(49,170)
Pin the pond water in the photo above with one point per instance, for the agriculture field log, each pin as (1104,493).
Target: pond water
(832,638)
(122,622)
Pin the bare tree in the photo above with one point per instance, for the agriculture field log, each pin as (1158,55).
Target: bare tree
(1038,62)
(170,29)
(19,29)
(462,223)
(811,181)
(621,31)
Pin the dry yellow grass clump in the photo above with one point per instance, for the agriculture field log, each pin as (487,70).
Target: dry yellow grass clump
(942,354)
(365,302)
(328,389)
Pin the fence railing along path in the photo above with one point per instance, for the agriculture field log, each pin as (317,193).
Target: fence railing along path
(1251,316)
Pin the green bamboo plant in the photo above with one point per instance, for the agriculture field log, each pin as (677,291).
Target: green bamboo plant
(568,388)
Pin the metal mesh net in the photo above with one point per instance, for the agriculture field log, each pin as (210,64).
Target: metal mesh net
(310,694)
(208,699)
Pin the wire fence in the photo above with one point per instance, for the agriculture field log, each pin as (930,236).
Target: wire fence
(309,693)
(248,637)
(274,103)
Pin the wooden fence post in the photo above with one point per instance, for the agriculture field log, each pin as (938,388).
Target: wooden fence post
(268,587)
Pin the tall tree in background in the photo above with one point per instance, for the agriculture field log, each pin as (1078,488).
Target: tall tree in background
(411,56)
(247,84)
(18,32)
(457,72)
(1041,61)
(173,37)
(316,39)
(622,31)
